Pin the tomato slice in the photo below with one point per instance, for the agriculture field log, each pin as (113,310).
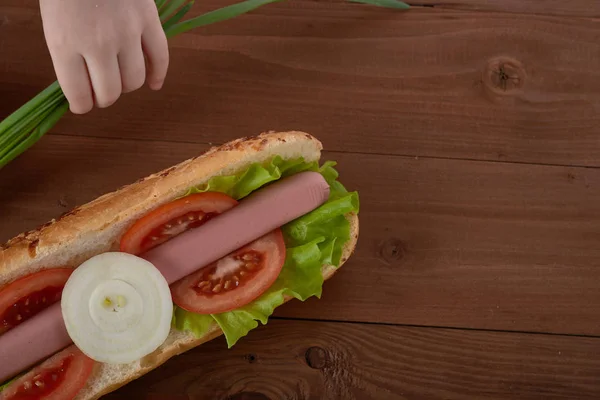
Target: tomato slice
(235,280)
(27,296)
(172,219)
(60,377)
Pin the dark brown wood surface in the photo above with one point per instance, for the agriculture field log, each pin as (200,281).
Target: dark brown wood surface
(324,360)
(444,83)
(471,130)
(578,8)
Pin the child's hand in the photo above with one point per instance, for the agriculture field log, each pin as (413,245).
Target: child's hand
(98,48)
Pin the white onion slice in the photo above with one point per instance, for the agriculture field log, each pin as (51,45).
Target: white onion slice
(117,308)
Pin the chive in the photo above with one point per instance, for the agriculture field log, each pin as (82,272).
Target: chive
(218,15)
(30,106)
(160,4)
(36,134)
(177,17)
(21,124)
(170,8)
(27,112)
(9,142)
(21,129)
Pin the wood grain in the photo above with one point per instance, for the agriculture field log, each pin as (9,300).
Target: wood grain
(572,8)
(442,243)
(434,116)
(287,360)
(429,82)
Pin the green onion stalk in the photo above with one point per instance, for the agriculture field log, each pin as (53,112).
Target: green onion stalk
(24,127)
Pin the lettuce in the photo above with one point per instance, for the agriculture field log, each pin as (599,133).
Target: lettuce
(312,240)
(5,384)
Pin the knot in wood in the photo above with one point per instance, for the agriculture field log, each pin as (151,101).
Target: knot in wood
(251,358)
(504,75)
(316,357)
(391,250)
(248,396)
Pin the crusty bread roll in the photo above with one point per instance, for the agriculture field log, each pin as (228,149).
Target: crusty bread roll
(97,227)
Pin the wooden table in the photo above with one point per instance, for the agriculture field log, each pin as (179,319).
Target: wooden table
(470,128)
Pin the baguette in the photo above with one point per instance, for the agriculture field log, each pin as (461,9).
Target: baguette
(97,227)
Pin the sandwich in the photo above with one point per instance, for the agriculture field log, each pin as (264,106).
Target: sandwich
(114,288)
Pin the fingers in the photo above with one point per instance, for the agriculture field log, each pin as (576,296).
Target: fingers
(154,44)
(95,79)
(100,73)
(132,67)
(72,74)
(106,79)
(101,78)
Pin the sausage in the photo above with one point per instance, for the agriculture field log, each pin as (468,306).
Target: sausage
(33,340)
(255,216)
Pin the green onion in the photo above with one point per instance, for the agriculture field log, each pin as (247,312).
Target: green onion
(177,17)
(170,8)
(38,132)
(160,4)
(25,126)
(31,104)
(219,15)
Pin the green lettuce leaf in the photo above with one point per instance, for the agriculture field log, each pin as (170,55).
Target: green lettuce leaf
(198,324)
(5,384)
(255,177)
(312,240)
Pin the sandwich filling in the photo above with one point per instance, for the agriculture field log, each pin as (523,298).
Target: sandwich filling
(313,240)
(305,244)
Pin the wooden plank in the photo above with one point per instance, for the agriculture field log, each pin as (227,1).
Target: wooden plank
(443,242)
(288,360)
(573,8)
(430,82)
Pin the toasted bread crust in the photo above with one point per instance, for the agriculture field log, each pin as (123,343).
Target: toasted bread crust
(97,226)
(188,341)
